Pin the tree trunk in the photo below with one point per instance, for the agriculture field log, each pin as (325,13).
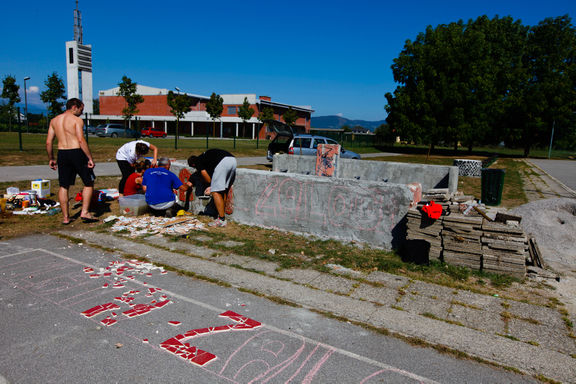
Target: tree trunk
(526,150)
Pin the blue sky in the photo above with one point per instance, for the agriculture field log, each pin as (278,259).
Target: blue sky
(334,56)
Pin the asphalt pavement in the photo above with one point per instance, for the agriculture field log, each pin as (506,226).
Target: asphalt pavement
(562,170)
(74,314)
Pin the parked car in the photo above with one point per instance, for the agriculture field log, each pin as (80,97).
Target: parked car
(115,130)
(90,129)
(286,141)
(152,132)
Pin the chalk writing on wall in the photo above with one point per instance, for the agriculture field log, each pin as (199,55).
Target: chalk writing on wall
(298,202)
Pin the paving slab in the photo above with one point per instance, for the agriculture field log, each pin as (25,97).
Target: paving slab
(333,283)
(301,276)
(380,295)
(387,279)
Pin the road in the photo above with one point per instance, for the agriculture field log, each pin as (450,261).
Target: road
(563,170)
(73,314)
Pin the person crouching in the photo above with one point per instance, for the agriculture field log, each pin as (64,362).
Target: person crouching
(160,186)
(217,167)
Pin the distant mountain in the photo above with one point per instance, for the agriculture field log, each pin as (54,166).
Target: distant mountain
(336,122)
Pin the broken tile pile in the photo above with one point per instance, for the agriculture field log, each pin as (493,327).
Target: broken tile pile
(469,240)
(116,275)
(150,225)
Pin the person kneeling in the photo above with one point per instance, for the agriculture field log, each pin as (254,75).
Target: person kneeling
(160,186)
(133,185)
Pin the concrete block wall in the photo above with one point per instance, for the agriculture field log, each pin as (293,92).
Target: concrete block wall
(344,209)
(429,176)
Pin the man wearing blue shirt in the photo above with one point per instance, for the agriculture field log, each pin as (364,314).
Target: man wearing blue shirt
(160,185)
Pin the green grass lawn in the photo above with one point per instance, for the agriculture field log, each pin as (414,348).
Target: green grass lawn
(104,148)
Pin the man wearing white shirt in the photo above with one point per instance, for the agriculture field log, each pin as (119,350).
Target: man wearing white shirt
(127,156)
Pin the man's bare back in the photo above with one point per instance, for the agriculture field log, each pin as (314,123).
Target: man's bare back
(67,127)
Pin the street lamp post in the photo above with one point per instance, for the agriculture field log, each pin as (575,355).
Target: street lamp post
(26,103)
(177,121)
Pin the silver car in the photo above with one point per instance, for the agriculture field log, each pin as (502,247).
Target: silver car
(115,130)
(299,144)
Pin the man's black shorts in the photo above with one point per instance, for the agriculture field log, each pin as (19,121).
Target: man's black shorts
(72,162)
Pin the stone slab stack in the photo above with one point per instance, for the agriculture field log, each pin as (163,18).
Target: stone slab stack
(471,241)
(420,227)
(461,241)
(505,248)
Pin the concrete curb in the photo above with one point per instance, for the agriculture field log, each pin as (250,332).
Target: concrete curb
(529,359)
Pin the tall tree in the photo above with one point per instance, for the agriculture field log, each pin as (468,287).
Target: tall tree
(54,94)
(179,104)
(267,113)
(245,112)
(128,91)
(549,92)
(214,107)
(10,92)
(290,117)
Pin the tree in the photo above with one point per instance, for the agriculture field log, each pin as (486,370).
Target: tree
(214,107)
(267,113)
(484,81)
(179,104)
(290,117)
(54,94)
(127,89)
(385,134)
(245,112)
(10,92)
(549,93)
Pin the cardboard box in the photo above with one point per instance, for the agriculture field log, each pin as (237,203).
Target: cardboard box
(42,187)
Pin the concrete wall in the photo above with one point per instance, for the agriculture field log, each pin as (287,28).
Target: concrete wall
(344,209)
(430,176)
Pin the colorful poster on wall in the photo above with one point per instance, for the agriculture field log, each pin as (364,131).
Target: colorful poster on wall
(327,159)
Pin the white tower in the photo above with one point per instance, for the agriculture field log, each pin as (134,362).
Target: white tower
(79,65)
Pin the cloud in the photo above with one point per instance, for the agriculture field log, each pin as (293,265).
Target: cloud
(33,89)
(340,114)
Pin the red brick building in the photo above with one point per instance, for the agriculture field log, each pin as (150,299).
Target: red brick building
(155,112)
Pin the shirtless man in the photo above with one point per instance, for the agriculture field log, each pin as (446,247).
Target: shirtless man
(74,158)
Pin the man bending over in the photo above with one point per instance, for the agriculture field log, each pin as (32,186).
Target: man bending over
(218,168)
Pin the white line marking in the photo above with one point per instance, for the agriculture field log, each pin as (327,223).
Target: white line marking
(18,253)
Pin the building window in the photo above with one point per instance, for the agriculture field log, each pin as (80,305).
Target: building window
(232,110)
(71,55)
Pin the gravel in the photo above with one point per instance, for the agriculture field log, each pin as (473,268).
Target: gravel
(552,222)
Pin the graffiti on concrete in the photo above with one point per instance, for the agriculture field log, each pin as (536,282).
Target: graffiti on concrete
(297,201)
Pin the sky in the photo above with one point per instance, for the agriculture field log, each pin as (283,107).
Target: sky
(333,56)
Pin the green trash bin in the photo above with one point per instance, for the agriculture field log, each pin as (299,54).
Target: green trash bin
(492,185)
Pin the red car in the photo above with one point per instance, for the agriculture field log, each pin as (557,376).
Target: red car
(152,132)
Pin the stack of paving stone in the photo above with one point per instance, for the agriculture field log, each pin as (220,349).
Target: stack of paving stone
(420,227)
(504,248)
(461,240)
(471,241)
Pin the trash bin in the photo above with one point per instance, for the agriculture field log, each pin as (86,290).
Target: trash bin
(492,186)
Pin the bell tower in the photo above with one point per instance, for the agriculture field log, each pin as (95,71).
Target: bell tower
(79,65)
